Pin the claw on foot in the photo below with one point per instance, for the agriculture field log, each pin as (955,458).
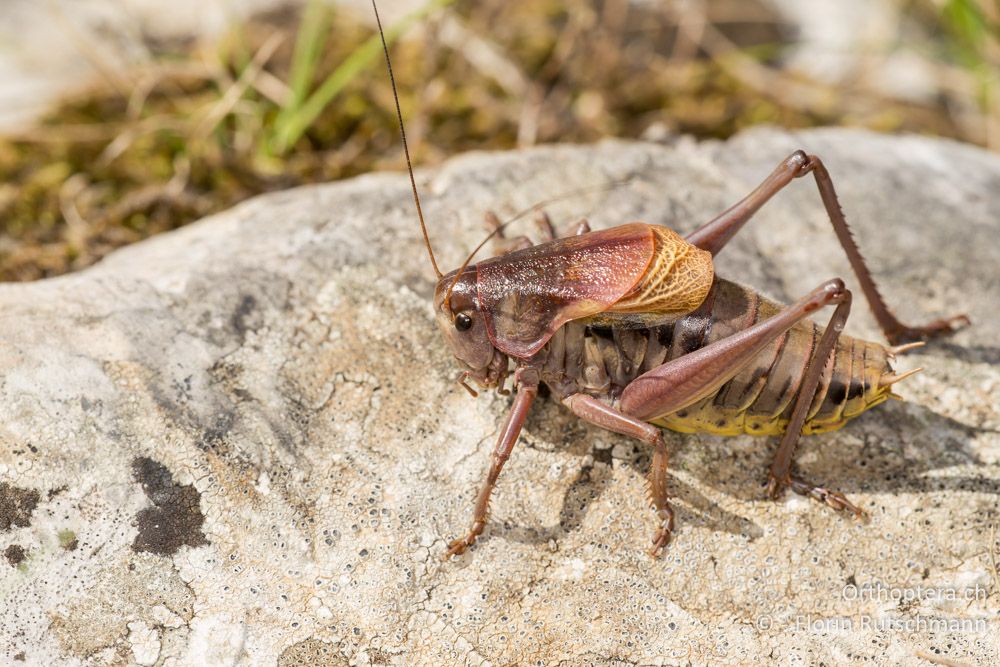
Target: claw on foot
(832,499)
(660,540)
(458,547)
(776,487)
(666,531)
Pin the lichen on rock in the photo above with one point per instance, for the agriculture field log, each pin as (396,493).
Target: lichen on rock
(16,506)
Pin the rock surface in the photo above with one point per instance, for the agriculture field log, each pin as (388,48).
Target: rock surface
(240,443)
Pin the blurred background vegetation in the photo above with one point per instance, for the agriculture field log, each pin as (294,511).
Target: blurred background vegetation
(300,94)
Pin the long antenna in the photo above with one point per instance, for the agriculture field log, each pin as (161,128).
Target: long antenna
(406,149)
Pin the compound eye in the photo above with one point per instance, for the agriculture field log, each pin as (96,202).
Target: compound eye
(463,322)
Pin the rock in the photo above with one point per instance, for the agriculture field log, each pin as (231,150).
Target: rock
(249,431)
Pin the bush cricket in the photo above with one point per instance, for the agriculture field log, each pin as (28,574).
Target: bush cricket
(632,330)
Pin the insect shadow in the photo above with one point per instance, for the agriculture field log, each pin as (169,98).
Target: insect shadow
(888,452)
(985,354)
(554,424)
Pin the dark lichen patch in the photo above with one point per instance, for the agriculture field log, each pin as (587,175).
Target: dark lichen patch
(175,519)
(16,506)
(243,319)
(20,657)
(15,555)
(311,651)
(379,657)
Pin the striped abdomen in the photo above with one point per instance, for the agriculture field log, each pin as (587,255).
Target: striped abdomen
(758,400)
(602,360)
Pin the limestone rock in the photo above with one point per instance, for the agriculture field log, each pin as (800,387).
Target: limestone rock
(241,443)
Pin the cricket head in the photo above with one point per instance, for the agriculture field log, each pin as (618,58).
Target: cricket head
(463,324)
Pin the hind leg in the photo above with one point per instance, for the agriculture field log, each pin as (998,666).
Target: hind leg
(684,380)
(780,476)
(714,235)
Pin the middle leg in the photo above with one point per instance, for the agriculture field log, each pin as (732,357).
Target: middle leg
(547,231)
(503,244)
(600,414)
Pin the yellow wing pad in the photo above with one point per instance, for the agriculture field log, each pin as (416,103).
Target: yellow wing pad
(677,281)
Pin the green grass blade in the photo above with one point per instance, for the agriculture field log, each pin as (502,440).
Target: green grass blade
(295,124)
(968,30)
(313,27)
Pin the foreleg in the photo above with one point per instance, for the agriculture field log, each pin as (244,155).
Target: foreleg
(526,392)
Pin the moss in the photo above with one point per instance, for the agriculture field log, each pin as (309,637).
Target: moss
(68,540)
